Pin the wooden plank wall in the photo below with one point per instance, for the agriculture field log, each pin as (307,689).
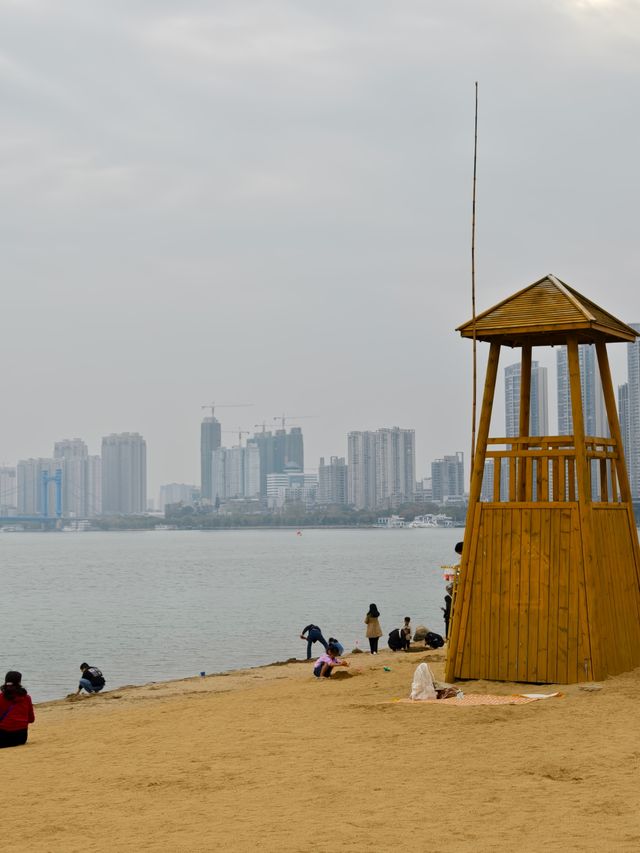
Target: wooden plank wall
(617,587)
(526,617)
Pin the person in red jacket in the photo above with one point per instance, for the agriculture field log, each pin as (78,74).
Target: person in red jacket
(16,711)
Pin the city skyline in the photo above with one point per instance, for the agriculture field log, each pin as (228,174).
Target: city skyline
(312,246)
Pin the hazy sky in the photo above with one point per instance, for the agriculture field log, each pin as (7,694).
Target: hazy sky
(269,202)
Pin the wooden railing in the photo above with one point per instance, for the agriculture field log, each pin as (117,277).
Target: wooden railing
(543,468)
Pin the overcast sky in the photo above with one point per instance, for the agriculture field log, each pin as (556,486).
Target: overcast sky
(269,202)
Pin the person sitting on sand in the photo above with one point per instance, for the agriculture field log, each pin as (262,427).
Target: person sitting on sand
(323,667)
(92,679)
(314,635)
(16,711)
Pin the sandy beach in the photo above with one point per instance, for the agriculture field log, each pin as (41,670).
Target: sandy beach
(274,759)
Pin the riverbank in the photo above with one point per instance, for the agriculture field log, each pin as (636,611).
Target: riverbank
(273,758)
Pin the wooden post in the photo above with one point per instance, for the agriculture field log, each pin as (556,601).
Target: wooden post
(616,434)
(525,415)
(584,503)
(461,612)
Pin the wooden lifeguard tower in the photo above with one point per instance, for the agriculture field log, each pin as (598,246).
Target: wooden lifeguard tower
(549,584)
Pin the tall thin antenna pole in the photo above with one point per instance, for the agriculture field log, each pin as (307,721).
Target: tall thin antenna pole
(473,285)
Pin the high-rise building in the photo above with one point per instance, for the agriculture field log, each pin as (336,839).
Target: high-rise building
(488,479)
(539,405)
(447,478)
(381,468)
(8,490)
(210,440)
(124,474)
(633,429)
(235,472)
(593,408)
(361,469)
(279,451)
(94,486)
(623,415)
(395,467)
(332,482)
(74,455)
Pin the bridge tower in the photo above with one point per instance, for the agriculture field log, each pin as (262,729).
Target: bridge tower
(46,479)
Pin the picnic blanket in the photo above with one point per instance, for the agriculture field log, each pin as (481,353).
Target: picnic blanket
(469,699)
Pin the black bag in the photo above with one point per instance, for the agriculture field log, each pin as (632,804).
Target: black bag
(433,641)
(95,676)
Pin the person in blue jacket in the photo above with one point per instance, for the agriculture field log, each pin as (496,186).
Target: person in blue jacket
(313,635)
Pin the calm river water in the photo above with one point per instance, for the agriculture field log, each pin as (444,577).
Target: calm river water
(149,606)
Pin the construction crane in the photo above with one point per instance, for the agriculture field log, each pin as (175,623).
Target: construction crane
(263,425)
(214,406)
(284,418)
(239,432)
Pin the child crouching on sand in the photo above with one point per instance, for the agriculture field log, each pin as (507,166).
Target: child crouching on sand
(325,664)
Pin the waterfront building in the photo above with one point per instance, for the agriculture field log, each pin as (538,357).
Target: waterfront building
(361,469)
(177,493)
(447,478)
(291,486)
(332,482)
(8,490)
(633,416)
(210,440)
(124,474)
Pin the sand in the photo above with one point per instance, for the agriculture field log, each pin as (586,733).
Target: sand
(274,759)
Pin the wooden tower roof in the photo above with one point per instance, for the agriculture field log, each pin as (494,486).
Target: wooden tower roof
(542,314)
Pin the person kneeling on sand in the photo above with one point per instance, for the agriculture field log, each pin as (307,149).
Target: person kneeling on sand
(16,711)
(92,679)
(324,665)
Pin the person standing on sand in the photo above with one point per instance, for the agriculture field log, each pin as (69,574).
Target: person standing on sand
(374,631)
(313,635)
(446,610)
(16,711)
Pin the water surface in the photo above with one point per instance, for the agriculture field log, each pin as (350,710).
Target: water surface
(154,605)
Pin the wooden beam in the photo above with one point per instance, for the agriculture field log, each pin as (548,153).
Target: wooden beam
(461,612)
(525,411)
(598,662)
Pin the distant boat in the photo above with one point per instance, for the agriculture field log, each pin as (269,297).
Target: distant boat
(165,527)
(80,526)
(12,528)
